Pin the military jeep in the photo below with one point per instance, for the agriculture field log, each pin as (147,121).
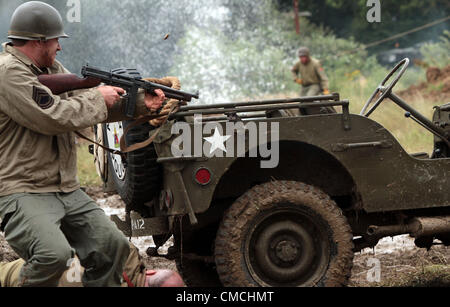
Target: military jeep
(342,183)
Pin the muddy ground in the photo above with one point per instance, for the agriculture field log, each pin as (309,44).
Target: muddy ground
(394,262)
(435,89)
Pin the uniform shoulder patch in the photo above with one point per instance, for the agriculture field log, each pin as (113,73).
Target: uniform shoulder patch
(42,98)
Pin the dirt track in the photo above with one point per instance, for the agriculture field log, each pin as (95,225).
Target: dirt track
(400,262)
(436,89)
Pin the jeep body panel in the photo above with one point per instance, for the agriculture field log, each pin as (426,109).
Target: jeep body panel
(384,176)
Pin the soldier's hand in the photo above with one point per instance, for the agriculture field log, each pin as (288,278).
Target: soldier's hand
(111,94)
(166,110)
(326,92)
(299,81)
(159,121)
(154,103)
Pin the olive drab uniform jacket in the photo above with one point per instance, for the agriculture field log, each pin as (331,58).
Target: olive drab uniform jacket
(312,73)
(37,143)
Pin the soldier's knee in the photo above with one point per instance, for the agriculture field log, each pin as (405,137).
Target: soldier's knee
(124,245)
(58,260)
(118,245)
(120,241)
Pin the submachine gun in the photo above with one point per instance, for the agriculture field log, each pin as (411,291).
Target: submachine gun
(128,79)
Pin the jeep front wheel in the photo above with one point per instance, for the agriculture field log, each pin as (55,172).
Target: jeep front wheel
(284,234)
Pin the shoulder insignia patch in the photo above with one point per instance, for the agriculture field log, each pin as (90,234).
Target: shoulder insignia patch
(42,98)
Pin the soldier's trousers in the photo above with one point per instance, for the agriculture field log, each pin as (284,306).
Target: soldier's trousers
(46,230)
(309,91)
(312,90)
(134,270)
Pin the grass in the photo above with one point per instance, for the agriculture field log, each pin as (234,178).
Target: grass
(409,134)
(412,136)
(436,87)
(428,276)
(87,172)
(357,88)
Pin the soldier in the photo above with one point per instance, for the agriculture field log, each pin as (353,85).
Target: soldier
(46,217)
(135,274)
(313,79)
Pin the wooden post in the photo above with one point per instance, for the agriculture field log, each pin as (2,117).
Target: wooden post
(297,20)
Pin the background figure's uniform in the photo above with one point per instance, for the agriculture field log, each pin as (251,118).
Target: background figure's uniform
(313,76)
(45,215)
(314,82)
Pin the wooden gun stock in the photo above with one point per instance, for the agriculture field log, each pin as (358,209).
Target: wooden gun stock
(63,83)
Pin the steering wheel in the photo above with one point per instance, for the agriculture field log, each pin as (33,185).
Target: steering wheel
(385,90)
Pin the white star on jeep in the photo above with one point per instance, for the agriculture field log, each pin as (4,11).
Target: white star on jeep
(217,141)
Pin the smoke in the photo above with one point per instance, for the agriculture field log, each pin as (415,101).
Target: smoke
(122,33)
(130,33)
(7,7)
(238,51)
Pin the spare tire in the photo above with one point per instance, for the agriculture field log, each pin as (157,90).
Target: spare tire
(138,179)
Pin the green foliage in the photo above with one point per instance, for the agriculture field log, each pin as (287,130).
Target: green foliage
(437,54)
(348,19)
(252,54)
(87,172)
(224,69)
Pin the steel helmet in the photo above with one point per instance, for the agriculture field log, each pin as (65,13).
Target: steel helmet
(36,20)
(303,51)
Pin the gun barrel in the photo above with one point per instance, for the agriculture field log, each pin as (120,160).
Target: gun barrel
(170,92)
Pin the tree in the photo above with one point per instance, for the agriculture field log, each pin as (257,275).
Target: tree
(348,18)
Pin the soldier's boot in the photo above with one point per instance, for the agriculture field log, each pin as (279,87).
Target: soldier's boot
(9,273)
